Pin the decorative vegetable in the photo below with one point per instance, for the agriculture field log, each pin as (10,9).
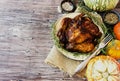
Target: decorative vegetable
(103,68)
(117,30)
(113,49)
(101,5)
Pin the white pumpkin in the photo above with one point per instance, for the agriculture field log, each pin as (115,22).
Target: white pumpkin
(103,68)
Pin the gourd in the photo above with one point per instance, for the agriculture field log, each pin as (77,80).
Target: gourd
(101,5)
(103,68)
(113,49)
(116,30)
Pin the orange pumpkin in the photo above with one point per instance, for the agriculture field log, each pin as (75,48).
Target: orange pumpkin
(103,68)
(116,30)
(113,49)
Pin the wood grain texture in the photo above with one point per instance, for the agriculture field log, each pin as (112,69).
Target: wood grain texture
(25,40)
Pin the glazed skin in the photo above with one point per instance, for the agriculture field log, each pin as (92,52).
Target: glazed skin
(78,34)
(103,68)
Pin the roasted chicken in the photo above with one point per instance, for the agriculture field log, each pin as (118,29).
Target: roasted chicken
(78,34)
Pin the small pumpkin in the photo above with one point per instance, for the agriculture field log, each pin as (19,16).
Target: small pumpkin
(103,68)
(113,49)
(116,30)
(101,5)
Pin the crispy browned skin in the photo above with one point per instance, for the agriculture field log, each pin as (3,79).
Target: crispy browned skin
(91,27)
(82,37)
(78,34)
(72,33)
(84,47)
(61,32)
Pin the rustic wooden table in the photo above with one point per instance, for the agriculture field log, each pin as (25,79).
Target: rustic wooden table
(25,40)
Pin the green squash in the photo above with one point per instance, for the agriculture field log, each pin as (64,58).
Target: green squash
(101,5)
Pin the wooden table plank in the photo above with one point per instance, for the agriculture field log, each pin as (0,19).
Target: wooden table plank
(25,40)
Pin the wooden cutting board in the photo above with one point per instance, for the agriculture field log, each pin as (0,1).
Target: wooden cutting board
(25,40)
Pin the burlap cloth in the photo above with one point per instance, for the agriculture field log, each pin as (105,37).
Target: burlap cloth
(56,59)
